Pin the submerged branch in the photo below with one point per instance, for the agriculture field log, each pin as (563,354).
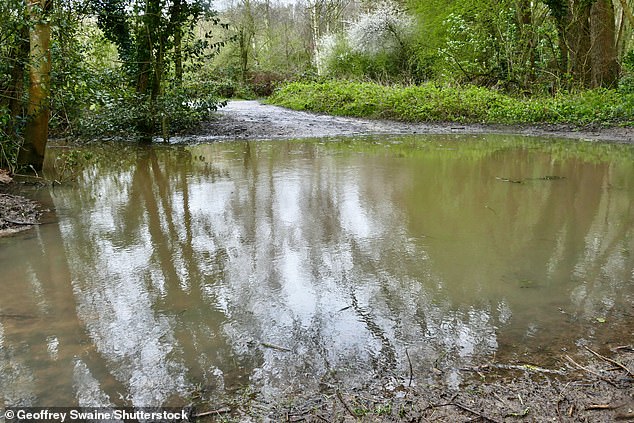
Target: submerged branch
(275,347)
(524,367)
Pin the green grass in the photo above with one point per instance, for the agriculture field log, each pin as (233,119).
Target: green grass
(470,104)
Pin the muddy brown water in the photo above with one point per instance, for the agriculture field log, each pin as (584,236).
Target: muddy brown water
(175,272)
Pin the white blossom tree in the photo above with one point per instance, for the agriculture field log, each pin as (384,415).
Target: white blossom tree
(385,28)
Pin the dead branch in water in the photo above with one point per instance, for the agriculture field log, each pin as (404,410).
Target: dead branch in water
(16,222)
(275,347)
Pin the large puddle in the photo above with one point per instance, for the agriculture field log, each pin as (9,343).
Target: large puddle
(288,266)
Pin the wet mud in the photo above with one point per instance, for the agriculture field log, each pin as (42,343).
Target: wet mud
(251,119)
(17,213)
(599,390)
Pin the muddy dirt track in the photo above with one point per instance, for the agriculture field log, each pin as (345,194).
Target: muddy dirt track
(254,120)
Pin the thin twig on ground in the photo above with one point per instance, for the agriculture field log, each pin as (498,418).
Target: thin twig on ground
(603,406)
(275,347)
(609,360)
(462,407)
(223,410)
(321,418)
(590,371)
(411,371)
(482,416)
(345,404)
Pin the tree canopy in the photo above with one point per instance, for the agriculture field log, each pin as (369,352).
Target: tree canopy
(100,67)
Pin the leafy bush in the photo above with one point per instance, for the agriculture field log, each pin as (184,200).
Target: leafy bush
(116,110)
(264,83)
(9,140)
(626,84)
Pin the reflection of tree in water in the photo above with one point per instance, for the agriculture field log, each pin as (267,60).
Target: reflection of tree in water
(133,283)
(473,269)
(326,273)
(41,338)
(209,257)
(604,272)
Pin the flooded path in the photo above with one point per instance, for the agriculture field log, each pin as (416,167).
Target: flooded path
(292,266)
(250,119)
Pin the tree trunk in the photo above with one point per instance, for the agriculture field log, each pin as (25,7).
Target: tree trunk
(605,70)
(246,37)
(36,134)
(149,78)
(527,55)
(579,42)
(178,35)
(314,28)
(561,13)
(628,12)
(244,44)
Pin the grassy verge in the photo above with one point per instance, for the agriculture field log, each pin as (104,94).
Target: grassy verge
(432,103)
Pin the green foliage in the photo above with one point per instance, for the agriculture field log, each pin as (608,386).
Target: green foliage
(263,46)
(107,76)
(187,105)
(434,103)
(114,81)
(69,165)
(11,129)
(628,61)
(74,73)
(115,109)
(9,143)
(382,66)
(157,44)
(626,84)
(13,57)
(488,43)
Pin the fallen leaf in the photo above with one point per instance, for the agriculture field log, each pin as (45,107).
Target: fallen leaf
(4,177)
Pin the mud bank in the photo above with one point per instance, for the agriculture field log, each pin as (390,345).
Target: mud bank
(254,120)
(17,214)
(588,388)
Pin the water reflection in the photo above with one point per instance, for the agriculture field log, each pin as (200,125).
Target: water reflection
(297,265)
(39,329)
